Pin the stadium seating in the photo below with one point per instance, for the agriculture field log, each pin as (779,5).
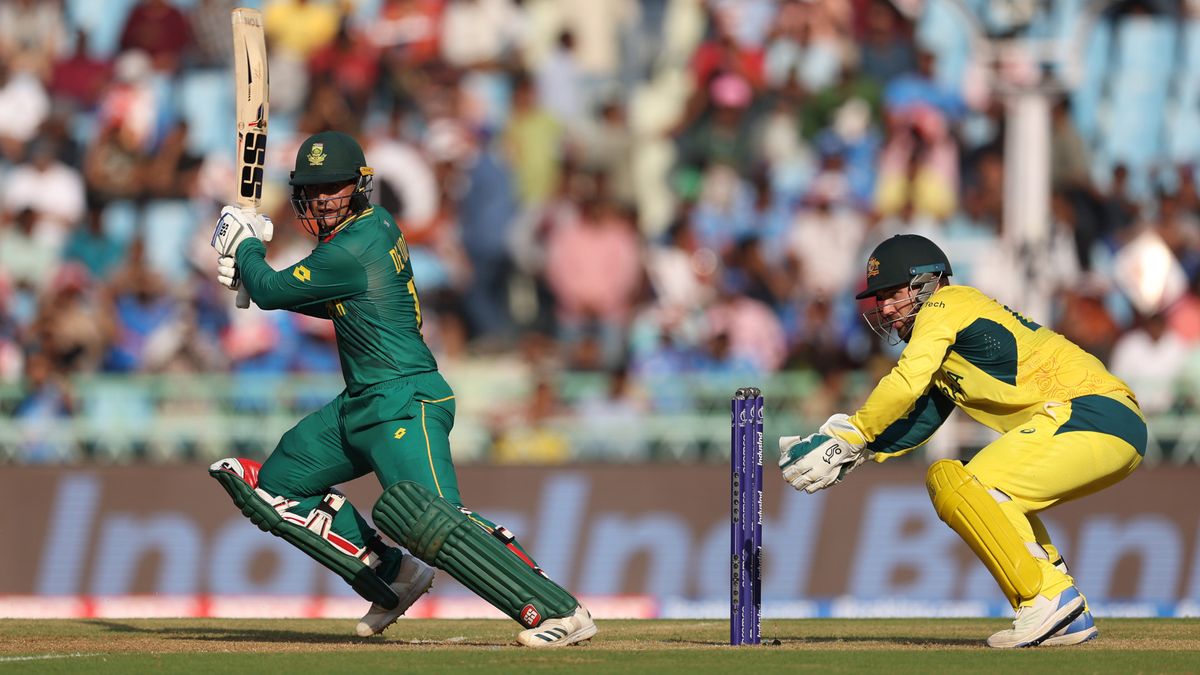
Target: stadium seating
(103,21)
(120,220)
(1145,45)
(944,31)
(169,225)
(1136,100)
(1085,98)
(205,101)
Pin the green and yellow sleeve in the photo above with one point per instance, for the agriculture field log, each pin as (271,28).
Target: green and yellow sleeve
(328,273)
(914,429)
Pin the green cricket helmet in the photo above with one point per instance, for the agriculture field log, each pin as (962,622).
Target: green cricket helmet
(326,158)
(905,260)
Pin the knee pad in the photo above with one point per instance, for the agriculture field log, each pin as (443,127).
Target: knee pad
(311,534)
(443,535)
(965,505)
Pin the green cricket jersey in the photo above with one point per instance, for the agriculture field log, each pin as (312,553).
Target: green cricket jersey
(360,278)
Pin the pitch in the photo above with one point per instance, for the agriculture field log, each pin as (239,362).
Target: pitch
(678,646)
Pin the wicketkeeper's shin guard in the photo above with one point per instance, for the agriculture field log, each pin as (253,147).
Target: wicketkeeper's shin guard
(444,536)
(352,563)
(965,505)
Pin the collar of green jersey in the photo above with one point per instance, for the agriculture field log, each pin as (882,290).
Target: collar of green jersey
(346,223)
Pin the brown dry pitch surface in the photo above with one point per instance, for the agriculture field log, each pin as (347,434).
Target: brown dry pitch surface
(660,646)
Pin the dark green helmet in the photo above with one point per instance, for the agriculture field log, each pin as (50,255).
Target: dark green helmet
(902,259)
(328,157)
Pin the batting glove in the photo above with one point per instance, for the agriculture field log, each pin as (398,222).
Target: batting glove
(227,274)
(236,225)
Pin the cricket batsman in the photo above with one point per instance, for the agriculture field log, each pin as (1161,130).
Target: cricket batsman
(393,418)
(1069,428)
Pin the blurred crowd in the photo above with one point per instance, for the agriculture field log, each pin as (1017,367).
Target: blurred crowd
(644,188)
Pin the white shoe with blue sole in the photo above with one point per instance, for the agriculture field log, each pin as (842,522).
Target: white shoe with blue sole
(1040,620)
(1082,629)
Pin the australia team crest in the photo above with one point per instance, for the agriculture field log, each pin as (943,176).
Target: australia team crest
(872,267)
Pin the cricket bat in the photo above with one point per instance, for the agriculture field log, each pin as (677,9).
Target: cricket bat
(250,88)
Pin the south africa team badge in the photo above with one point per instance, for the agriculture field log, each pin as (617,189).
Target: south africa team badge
(316,154)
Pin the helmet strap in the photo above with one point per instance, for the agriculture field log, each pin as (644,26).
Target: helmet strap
(356,202)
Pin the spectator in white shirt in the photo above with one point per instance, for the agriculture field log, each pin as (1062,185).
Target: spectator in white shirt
(51,188)
(1149,359)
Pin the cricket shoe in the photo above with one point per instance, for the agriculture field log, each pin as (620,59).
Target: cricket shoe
(412,581)
(1082,629)
(1042,619)
(564,630)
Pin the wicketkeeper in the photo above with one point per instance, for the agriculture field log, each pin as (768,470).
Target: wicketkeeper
(393,418)
(1069,427)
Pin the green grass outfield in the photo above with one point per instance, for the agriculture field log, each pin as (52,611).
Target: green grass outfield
(676,646)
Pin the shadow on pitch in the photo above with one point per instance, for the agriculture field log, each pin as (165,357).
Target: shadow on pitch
(219,634)
(227,635)
(899,640)
(785,640)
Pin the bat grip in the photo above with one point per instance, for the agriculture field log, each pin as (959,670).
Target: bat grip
(243,295)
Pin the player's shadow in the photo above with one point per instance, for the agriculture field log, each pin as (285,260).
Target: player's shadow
(784,640)
(899,640)
(220,634)
(228,635)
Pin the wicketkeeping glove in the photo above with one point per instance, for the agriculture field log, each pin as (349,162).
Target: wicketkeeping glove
(237,224)
(825,458)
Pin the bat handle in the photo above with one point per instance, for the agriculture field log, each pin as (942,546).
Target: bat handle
(243,295)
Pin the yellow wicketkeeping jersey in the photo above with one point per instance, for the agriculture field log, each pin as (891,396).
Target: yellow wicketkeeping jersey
(969,351)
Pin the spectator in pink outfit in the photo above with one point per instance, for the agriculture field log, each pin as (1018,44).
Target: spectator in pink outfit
(1184,316)
(754,332)
(918,165)
(594,269)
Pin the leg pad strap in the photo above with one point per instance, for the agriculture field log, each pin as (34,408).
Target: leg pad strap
(442,535)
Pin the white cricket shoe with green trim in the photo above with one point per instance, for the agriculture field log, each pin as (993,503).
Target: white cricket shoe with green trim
(412,581)
(564,630)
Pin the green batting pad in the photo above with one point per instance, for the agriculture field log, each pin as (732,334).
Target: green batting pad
(437,532)
(360,576)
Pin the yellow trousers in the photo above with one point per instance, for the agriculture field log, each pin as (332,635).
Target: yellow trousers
(1066,451)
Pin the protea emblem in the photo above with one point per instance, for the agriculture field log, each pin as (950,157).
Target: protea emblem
(316,154)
